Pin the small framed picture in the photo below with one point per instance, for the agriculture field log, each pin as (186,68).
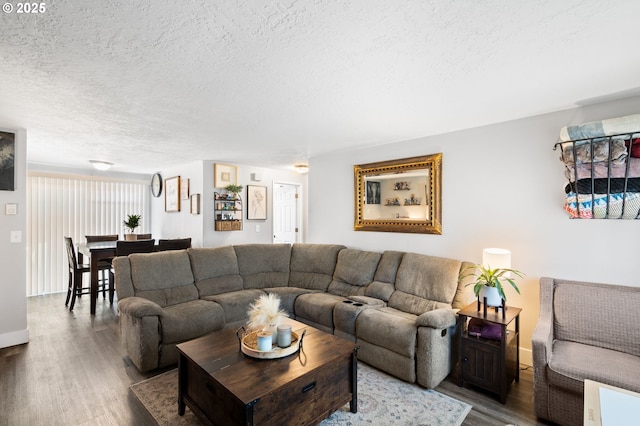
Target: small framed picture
(195,203)
(224,174)
(172,194)
(256,202)
(184,189)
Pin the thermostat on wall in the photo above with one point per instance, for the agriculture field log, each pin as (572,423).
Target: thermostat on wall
(10,208)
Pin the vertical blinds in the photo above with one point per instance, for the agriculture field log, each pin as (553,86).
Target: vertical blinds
(74,206)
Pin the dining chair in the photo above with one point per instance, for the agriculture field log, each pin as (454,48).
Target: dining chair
(104,265)
(125,248)
(143,236)
(75,287)
(174,244)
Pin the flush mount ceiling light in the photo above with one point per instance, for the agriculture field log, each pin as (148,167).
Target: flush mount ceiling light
(101,165)
(301,168)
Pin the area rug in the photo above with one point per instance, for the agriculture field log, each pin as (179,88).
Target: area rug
(382,400)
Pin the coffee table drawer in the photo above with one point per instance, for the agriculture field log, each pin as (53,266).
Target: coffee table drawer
(309,398)
(212,399)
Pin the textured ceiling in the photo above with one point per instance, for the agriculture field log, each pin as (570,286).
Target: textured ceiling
(146,84)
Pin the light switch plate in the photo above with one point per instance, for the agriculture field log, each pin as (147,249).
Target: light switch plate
(10,209)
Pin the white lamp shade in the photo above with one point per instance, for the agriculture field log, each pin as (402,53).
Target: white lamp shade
(495,258)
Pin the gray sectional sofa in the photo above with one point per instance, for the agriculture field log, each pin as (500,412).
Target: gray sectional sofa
(399,307)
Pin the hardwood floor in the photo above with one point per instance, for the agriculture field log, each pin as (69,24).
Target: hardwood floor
(74,371)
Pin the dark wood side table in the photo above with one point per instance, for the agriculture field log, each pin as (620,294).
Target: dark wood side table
(489,364)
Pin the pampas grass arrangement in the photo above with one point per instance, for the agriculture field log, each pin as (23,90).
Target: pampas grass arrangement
(265,311)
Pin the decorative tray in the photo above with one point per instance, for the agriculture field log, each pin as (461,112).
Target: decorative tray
(249,345)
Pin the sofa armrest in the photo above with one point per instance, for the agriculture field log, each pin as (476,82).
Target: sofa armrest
(138,307)
(438,318)
(541,347)
(542,338)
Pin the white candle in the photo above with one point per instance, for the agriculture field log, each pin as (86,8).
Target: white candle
(284,336)
(264,341)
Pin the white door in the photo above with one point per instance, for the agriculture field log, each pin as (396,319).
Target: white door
(285,213)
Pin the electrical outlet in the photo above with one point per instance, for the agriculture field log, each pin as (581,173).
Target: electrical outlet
(257,228)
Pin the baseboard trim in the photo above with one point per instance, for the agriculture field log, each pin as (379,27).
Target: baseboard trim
(14,338)
(526,356)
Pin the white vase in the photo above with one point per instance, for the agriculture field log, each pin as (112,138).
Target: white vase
(273,329)
(492,295)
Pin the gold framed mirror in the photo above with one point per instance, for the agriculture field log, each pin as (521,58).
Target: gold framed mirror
(402,195)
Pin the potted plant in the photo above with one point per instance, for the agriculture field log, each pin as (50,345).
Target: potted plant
(488,283)
(234,190)
(132,222)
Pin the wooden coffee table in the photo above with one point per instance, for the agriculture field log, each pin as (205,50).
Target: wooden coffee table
(223,386)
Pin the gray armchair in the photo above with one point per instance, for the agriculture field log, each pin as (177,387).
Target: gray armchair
(585,331)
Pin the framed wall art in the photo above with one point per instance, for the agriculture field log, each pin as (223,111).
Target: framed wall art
(195,203)
(224,174)
(172,194)
(184,189)
(7,161)
(256,202)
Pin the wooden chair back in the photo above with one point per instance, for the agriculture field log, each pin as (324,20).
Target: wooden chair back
(98,238)
(174,244)
(125,248)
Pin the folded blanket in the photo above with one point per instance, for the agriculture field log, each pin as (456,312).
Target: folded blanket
(600,149)
(602,186)
(601,170)
(596,129)
(599,211)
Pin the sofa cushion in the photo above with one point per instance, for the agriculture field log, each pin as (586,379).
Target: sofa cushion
(317,307)
(164,278)
(188,320)
(424,283)
(215,270)
(263,265)
(571,363)
(606,316)
(288,296)
(464,292)
(354,271)
(389,328)
(236,303)
(312,265)
(384,280)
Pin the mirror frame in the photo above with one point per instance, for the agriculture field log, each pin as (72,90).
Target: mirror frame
(433,225)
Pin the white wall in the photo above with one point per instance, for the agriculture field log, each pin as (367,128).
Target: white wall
(502,187)
(13,262)
(201,227)
(180,224)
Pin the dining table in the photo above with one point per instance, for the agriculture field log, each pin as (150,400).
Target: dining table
(96,251)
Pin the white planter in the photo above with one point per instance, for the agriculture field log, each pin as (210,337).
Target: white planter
(492,295)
